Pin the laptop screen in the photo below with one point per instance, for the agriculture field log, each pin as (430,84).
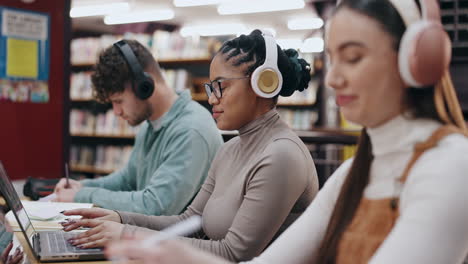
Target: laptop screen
(12,198)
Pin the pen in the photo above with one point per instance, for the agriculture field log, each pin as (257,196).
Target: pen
(67,185)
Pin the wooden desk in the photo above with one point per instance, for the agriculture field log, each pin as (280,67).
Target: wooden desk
(28,253)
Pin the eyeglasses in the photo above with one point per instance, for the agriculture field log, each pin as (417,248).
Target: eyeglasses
(215,86)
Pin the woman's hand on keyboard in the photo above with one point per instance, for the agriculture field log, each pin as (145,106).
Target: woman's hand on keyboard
(100,234)
(95,213)
(14,258)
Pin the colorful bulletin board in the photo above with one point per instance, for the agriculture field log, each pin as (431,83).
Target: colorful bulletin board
(24,55)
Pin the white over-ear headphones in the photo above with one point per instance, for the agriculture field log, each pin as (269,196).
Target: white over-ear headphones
(267,80)
(425,48)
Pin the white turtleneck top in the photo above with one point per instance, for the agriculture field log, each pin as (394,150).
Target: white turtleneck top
(433,222)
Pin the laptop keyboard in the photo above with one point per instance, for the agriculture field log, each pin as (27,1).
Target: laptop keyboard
(58,243)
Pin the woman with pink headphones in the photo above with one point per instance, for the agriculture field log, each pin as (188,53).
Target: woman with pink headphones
(402,198)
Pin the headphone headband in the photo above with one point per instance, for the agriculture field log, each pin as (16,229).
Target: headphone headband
(266,80)
(131,59)
(143,84)
(431,10)
(408,10)
(271,56)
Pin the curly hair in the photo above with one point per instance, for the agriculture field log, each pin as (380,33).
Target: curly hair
(250,50)
(111,72)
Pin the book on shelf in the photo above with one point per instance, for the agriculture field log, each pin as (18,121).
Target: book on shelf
(100,157)
(167,46)
(163,45)
(81,86)
(179,79)
(349,151)
(85,122)
(305,97)
(299,119)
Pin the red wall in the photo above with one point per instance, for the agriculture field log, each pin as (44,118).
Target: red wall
(32,136)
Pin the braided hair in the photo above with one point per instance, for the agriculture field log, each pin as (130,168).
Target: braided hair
(250,49)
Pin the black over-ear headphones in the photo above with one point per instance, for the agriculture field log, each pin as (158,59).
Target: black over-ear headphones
(143,84)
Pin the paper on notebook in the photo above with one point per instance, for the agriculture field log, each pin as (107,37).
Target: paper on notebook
(46,215)
(48,198)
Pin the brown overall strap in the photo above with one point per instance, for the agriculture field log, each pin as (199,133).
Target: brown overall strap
(433,140)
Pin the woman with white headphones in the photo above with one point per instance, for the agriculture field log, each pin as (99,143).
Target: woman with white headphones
(402,198)
(259,182)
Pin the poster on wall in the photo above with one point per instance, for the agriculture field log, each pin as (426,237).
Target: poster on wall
(24,55)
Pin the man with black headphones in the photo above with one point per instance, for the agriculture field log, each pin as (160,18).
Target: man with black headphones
(173,149)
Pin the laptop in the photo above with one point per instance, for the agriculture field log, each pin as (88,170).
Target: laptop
(47,246)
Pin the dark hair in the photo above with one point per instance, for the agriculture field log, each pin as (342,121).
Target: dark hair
(250,49)
(111,72)
(421,105)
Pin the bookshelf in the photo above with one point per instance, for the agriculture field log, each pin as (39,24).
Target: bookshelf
(89,169)
(85,135)
(94,129)
(162,63)
(455,20)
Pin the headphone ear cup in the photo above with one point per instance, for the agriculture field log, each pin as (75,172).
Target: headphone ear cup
(145,87)
(268,81)
(424,54)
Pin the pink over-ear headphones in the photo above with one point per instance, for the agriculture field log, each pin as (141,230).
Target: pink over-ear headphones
(425,49)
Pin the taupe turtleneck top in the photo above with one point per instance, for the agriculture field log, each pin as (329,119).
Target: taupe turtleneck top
(258,184)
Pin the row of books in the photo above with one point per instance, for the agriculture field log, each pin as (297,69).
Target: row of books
(101,157)
(167,45)
(306,97)
(299,119)
(164,46)
(86,122)
(81,87)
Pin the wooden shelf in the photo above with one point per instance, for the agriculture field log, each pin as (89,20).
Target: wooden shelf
(327,137)
(83,64)
(164,62)
(80,100)
(297,104)
(89,169)
(316,136)
(102,136)
(200,97)
(195,61)
(196,97)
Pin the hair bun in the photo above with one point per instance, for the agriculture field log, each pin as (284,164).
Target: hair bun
(300,69)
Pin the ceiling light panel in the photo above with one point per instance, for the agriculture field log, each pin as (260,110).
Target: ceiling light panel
(312,45)
(99,10)
(249,6)
(305,23)
(139,16)
(186,3)
(214,29)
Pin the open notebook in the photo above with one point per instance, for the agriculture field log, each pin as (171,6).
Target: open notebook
(45,215)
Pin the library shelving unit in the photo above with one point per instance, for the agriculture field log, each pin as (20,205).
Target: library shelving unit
(455,20)
(100,142)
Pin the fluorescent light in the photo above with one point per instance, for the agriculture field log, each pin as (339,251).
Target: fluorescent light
(289,43)
(185,3)
(214,29)
(99,10)
(249,6)
(305,23)
(250,29)
(312,45)
(139,16)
